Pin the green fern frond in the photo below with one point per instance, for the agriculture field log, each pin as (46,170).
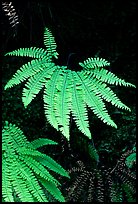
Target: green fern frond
(19,184)
(50,43)
(107,94)
(93,152)
(41,142)
(6,182)
(43,159)
(49,98)
(39,169)
(23,168)
(95,102)
(63,105)
(53,190)
(131,159)
(78,107)
(128,192)
(30,180)
(29,52)
(49,163)
(107,77)
(91,63)
(27,70)
(36,83)
(67,92)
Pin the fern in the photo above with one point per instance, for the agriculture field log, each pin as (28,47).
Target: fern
(25,170)
(88,181)
(100,184)
(67,92)
(11,13)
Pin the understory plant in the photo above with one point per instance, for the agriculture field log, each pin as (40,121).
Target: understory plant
(26,172)
(66,93)
(102,184)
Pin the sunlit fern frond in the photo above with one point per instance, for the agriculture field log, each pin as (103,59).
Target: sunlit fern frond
(33,52)
(26,172)
(50,43)
(92,63)
(67,92)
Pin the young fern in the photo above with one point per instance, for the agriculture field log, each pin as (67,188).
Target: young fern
(26,172)
(67,92)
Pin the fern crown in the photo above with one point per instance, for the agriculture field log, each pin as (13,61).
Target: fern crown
(67,92)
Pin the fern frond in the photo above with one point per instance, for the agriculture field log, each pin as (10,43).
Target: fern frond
(128,192)
(27,70)
(100,187)
(41,142)
(49,98)
(12,135)
(93,152)
(108,77)
(33,52)
(78,108)
(131,159)
(95,102)
(63,105)
(107,94)
(31,181)
(53,190)
(22,169)
(92,63)
(11,13)
(50,43)
(51,164)
(6,182)
(44,160)
(39,169)
(36,83)
(19,184)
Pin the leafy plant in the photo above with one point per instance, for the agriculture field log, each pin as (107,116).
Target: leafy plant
(26,172)
(101,184)
(90,180)
(67,91)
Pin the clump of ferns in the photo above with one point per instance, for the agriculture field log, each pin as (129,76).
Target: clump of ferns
(101,184)
(27,174)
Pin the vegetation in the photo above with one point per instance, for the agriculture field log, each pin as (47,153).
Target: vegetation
(23,166)
(69,155)
(67,91)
